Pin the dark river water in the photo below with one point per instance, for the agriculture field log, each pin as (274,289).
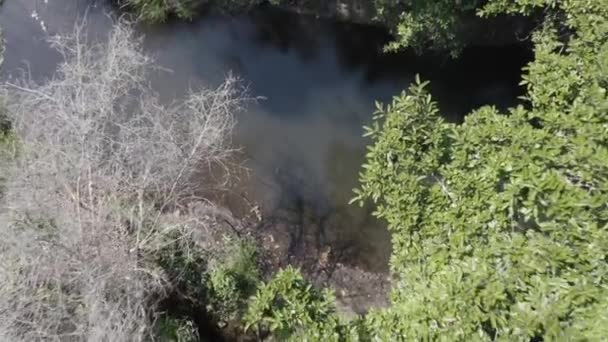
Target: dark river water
(318,80)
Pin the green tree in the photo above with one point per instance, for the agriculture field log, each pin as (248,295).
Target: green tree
(230,284)
(500,224)
(425,24)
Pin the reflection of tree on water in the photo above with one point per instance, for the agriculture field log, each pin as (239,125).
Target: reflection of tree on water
(312,226)
(358,228)
(315,217)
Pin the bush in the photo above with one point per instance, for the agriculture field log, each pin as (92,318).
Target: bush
(291,309)
(155,11)
(158,11)
(424,25)
(500,225)
(231,282)
(176,330)
(102,184)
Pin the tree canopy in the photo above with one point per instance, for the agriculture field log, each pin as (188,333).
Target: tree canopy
(500,224)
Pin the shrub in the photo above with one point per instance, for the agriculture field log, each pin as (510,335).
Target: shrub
(156,11)
(426,25)
(500,225)
(231,282)
(291,309)
(176,330)
(103,182)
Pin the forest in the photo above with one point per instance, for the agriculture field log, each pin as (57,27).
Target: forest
(122,210)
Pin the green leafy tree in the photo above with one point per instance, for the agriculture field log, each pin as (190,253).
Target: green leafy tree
(169,329)
(500,224)
(425,24)
(156,11)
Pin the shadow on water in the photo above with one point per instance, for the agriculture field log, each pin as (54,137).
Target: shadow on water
(319,80)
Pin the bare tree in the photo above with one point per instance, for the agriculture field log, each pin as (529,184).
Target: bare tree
(101,182)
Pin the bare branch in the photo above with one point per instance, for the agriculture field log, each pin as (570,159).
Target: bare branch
(102,171)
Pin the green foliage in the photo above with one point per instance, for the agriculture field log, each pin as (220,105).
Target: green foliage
(230,284)
(500,225)
(442,24)
(156,11)
(175,330)
(186,264)
(422,24)
(292,309)
(220,285)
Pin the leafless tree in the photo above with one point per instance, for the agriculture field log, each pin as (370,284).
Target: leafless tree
(101,181)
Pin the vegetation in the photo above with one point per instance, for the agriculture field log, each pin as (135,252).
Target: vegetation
(291,309)
(156,11)
(418,24)
(233,281)
(499,224)
(426,24)
(100,192)
(159,10)
(170,329)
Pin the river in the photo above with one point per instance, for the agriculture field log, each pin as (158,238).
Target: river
(317,81)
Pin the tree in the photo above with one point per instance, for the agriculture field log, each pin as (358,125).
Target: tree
(106,179)
(500,225)
(426,24)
